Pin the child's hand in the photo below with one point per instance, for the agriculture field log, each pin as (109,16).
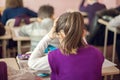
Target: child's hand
(52,33)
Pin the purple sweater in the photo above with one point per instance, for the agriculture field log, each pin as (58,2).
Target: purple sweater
(86,65)
(91,10)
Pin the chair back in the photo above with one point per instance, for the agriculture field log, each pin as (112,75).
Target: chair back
(3,71)
(11,22)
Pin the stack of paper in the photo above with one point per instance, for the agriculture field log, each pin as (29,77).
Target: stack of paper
(108,63)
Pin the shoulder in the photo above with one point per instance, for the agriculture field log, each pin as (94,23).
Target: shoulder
(7,9)
(47,20)
(100,4)
(96,52)
(90,47)
(26,9)
(31,25)
(22,9)
(93,50)
(47,23)
(54,53)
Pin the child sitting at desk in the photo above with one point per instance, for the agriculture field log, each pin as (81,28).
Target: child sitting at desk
(38,29)
(74,59)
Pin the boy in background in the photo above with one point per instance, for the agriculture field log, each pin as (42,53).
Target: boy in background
(37,30)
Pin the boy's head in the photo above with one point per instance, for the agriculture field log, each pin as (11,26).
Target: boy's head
(45,11)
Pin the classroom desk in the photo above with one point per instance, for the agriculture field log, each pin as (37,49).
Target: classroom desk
(112,70)
(4,39)
(113,29)
(19,39)
(14,30)
(11,62)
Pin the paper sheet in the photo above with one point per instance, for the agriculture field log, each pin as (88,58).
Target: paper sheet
(108,63)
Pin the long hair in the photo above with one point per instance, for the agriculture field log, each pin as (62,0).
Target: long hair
(73,25)
(14,3)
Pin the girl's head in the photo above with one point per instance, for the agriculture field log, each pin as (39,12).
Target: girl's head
(70,30)
(14,3)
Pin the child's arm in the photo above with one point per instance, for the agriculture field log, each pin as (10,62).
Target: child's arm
(25,30)
(37,59)
(83,6)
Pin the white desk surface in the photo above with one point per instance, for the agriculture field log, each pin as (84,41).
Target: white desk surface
(11,62)
(112,70)
(113,29)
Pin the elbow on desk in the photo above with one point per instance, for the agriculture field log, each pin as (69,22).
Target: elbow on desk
(38,64)
(31,64)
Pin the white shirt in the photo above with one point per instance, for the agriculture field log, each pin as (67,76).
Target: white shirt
(38,60)
(115,22)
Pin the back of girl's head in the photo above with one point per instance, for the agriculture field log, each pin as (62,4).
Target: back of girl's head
(14,3)
(45,11)
(72,24)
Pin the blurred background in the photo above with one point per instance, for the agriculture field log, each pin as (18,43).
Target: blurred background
(61,5)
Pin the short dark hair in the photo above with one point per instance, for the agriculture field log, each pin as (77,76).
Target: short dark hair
(45,11)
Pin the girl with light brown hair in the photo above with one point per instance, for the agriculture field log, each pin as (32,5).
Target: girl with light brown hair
(74,59)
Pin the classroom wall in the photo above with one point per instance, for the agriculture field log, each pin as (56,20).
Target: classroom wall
(61,5)
(118,2)
(109,3)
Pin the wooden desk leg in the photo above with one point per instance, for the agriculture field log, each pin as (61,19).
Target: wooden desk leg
(105,41)
(105,77)
(114,46)
(4,43)
(19,47)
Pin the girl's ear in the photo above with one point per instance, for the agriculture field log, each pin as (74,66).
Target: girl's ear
(84,33)
(38,19)
(62,34)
